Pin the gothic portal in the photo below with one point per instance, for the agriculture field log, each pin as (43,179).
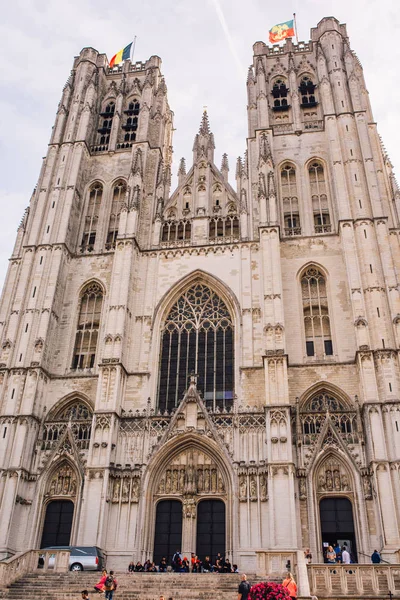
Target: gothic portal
(214,368)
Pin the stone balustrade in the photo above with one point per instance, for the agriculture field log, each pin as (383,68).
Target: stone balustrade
(354,580)
(22,563)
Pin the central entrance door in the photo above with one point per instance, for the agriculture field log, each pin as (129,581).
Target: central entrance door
(210,528)
(57,523)
(337,524)
(168,532)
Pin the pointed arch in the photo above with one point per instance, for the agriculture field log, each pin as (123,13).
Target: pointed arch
(316,314)
(67,401)
(166,302)
(88,325)
(325,387)
(195,322)
(93,206)
(193,446)
(289,188)
(319,194)
(118,196)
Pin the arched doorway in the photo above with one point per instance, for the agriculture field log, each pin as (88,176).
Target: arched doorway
(168,530)
(211,528)
(57,523)
(337,524)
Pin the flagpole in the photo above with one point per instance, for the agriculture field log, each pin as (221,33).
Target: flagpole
(133,48)
(295,28)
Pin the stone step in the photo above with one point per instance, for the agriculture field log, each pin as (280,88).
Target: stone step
(131,586)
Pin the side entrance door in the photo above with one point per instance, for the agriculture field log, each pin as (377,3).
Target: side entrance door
(57,523)
(337,524)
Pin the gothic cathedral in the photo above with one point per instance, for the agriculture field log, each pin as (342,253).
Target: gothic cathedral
(211,369)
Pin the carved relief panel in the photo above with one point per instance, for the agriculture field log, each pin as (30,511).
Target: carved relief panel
(191,473)
(63,482)
(332,476)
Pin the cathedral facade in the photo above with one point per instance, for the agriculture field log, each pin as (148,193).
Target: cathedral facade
(213,368)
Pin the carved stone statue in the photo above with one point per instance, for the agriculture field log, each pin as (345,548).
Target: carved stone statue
(117,486)
(253,488)
(345,483)
(206,480)
(367,487)
(243,487)
(168,482)
(214,480)
(264,487)
(199,480)
(336,480)
(302,489)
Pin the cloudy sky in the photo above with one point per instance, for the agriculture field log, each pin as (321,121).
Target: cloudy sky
(205,46)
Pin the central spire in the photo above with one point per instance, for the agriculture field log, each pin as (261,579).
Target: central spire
(205,124)
(203,146)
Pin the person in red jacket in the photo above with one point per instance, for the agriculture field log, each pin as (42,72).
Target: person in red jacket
(290,584)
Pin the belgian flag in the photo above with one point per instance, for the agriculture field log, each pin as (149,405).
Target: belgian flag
(122,55)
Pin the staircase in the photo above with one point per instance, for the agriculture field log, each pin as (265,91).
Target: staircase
(135,586)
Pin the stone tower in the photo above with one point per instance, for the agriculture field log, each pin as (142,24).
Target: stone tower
(218,365)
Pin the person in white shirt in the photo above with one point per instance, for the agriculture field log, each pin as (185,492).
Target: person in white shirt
(345,556)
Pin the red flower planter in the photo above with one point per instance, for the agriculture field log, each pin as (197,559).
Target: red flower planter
(268,591)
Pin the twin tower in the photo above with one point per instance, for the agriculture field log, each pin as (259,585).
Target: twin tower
(217,363)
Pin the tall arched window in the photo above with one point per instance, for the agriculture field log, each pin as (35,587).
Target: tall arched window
(290,200)
(118,198)
(106,118)
(131,122)
(87,332)
(280,95)
(92,217)
(197,337)
(315,312)
(319,198)
(307,91)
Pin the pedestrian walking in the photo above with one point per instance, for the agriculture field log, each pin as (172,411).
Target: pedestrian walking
(244,588)
(110,586)
(290,584)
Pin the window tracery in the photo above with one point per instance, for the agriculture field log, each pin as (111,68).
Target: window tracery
(280,95)
(319,198)
(197,337)
(307,91)
(176,231)
(91,218)
(106,123)
(315,314)
(314,414)
(88,327)
(131,123)
(78,416)
(118,199)
(290,200)
(224,228)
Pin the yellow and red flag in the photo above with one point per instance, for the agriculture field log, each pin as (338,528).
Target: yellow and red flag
(281,31)
(122,55)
